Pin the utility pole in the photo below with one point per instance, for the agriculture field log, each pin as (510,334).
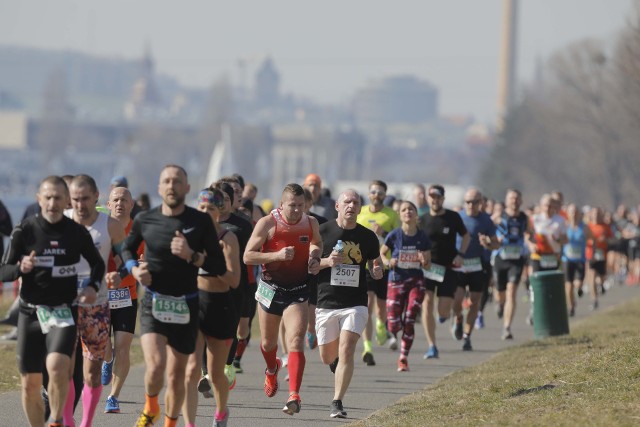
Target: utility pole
(507,65)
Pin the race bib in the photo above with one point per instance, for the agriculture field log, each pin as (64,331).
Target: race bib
(548,261)
(168,309)
(54,317)
(408,259)
(119,298)
(511,252)
(435,272)
(598,255)
(345,275)
(264,294)
(471,265)
(573,251)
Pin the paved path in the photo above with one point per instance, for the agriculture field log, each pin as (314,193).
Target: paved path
(372,388)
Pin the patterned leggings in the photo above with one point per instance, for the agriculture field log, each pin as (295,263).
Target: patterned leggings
(404,300)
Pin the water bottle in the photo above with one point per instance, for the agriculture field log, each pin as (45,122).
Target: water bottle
(339,247)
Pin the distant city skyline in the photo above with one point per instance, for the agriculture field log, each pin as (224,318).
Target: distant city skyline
(325,51)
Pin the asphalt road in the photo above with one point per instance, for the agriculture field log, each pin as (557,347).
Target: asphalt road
(372,388)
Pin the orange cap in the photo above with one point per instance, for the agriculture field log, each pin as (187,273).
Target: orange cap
(313,178)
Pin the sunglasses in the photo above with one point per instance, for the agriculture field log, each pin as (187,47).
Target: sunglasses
(377,192)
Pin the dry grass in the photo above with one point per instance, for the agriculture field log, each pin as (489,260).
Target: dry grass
(591,377)
(9,374)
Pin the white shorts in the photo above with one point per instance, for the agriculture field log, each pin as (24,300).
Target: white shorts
(329,322)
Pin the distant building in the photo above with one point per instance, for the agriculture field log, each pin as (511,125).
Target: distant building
(267,86)
(145,101)
(394,100)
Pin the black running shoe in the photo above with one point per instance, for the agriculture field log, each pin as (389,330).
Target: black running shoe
(337,411)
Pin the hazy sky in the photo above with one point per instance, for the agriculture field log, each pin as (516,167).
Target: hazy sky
(324,49)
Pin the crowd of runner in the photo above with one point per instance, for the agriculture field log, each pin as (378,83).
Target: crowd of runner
(319,273)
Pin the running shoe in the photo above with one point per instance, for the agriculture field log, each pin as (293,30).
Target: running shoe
(312,341)
(466,346)
(222,422)
(479,321)
(367,358)
(107,372)
(55,425)
(230,373)
(456,328)
(580,292)
(333,365)
(500,311)
(572,312)
(393,342)
(285,360)
(432,353)
(337,411)
(112,406)
(237,366)
(146,420)
(594,305)
(442,319)
(506,334)
(293,404)
(381,332)
(403,365)
(204,387)
(271,380)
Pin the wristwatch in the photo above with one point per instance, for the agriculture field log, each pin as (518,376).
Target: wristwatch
(195,256)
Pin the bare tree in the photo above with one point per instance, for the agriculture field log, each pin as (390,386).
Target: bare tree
(579,129)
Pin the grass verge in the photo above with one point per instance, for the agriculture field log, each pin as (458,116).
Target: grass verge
(591,377)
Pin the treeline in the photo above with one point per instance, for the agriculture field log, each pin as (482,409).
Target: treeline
(577,127)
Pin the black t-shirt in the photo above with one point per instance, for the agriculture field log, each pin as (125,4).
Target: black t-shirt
(360,246)
(170,274)
(242,229)
(58,247)
(442,230)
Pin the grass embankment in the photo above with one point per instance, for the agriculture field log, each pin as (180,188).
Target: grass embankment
(591,377)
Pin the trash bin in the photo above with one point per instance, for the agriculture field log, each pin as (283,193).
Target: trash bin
(550,315)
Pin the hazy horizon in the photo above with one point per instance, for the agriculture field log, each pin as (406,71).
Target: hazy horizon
(329,50)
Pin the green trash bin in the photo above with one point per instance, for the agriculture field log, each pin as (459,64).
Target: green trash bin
(550,315)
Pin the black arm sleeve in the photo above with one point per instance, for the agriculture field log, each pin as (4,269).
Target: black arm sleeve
(214,263)
(5,221)
(10,270)
(91,254)
(132,242)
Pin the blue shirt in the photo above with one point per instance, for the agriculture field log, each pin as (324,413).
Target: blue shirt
(405,249)
(574,250)
(511,230)
(481,224)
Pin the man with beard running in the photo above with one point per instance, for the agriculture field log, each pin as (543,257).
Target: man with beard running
(178,240)
(442,226)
